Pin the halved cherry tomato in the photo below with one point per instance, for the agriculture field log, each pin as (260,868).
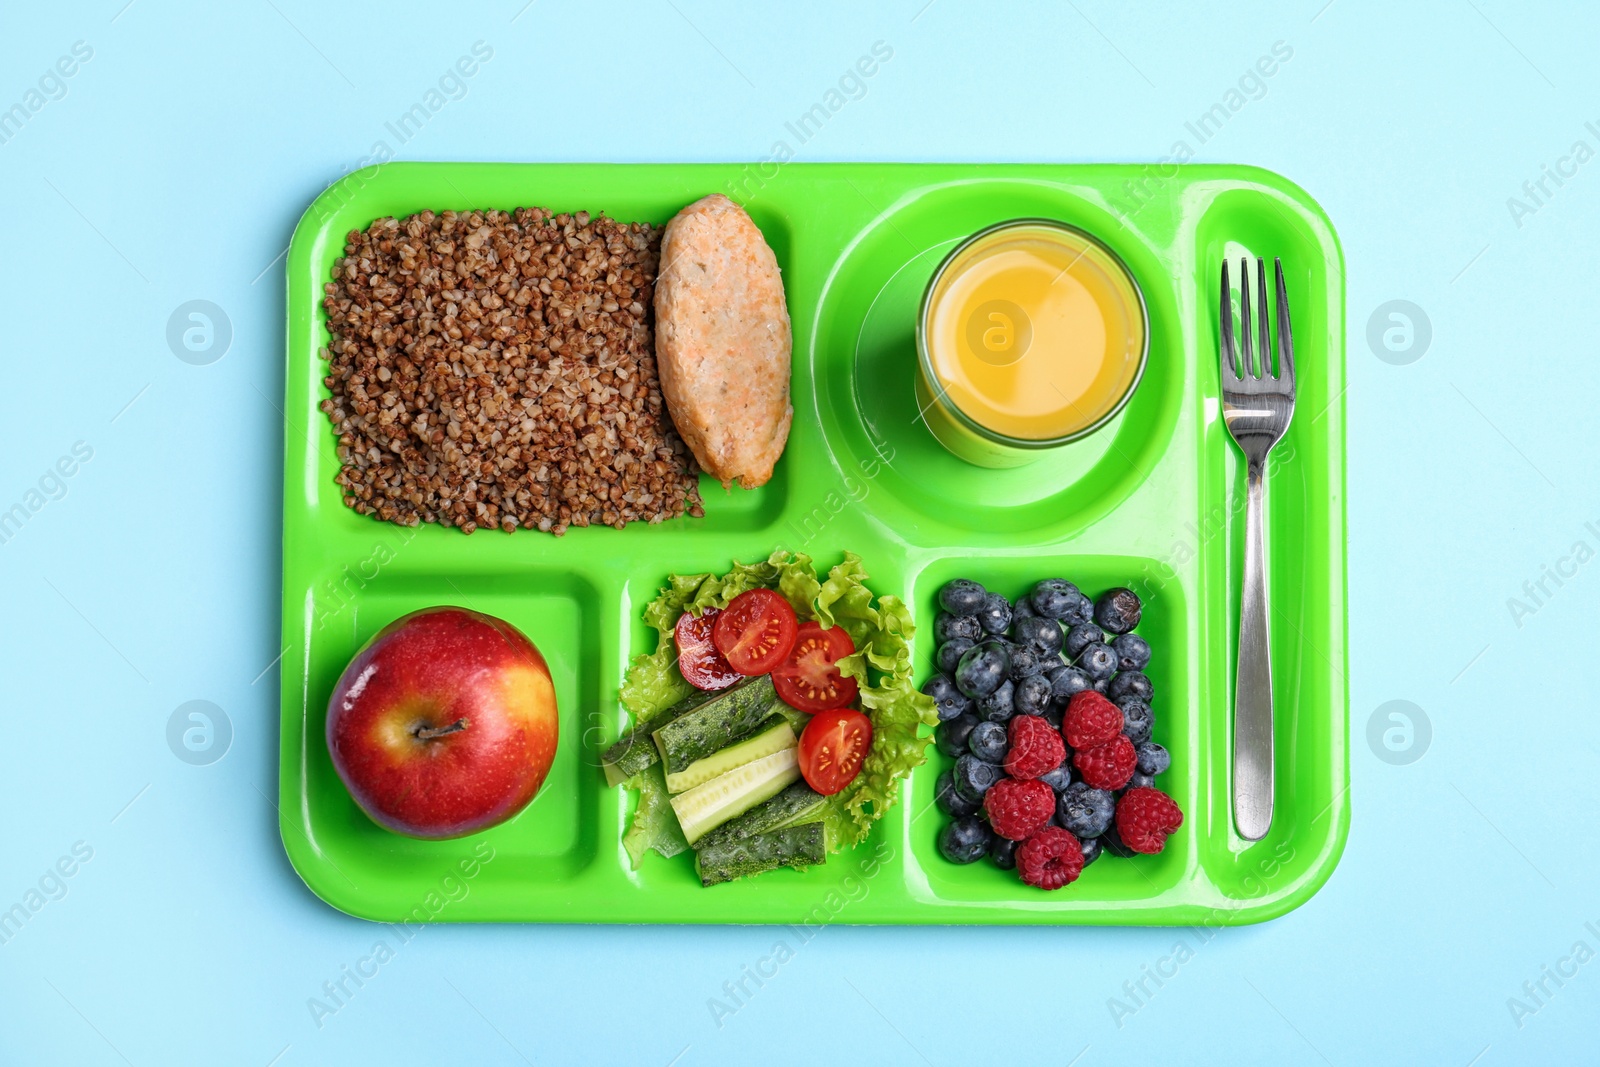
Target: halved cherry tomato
(755,631)
(702,665)
(832,746)
(808,679)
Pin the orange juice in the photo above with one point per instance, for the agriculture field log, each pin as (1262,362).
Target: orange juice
(1032,334)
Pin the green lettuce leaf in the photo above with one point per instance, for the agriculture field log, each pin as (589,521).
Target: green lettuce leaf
(881,665)
(655,824)
(654,682)
(882,668)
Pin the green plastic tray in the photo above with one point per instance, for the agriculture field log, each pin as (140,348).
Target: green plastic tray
(1151,501)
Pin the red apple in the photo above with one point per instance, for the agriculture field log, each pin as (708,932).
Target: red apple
(444,724)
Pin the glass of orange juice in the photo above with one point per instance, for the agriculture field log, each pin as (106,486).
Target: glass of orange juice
(1031,334)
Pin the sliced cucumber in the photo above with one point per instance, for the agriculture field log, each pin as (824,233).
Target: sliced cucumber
(728,716)
(713,803)
(636,750)
(773,735)
(795,805)
(791,846)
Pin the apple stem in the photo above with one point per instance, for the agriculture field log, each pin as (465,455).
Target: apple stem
(429,733)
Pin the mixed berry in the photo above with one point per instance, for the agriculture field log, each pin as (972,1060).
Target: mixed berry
(1044,705)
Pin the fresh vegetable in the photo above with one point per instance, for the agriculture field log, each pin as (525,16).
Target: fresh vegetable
(715,724)
(882,636)
(808,679)
(702,665)
(881,632)
(786,831)
(653,681)
(832,748)
(708,806)
(655,824)
(792,846)
(797,804)
(636,749)
(756,631)
(773,735)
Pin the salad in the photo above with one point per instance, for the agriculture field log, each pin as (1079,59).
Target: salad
(774,720)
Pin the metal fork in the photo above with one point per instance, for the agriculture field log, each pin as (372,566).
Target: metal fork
(1257,405)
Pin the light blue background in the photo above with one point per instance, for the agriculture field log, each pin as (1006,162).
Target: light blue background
(174,168)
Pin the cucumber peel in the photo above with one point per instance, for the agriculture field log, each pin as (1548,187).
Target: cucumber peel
(636,750)
(721,720)
(798,846)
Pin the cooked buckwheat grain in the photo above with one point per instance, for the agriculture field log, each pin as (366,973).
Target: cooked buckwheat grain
(494,369)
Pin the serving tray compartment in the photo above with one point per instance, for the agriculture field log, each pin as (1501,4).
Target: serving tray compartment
(1151,501)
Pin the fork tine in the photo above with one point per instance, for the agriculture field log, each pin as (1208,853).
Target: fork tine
(1285,338)
(1264,336)
(1230,358)
(1248,370)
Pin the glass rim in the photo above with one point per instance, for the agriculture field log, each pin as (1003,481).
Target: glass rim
(936,386)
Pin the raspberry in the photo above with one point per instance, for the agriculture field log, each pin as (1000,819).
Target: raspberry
(1144,819)
(1035,748)
(1017,807)
(1091,720)
(1107,766)
(1050,858)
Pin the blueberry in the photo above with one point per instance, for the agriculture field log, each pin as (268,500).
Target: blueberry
(974,776)
(950,654)
(947,699)
(1136,720)
(1053,597)
(988,742)
(1003,852)
(951,802)
(982,669)
(948,627)
(1084,810)
(1101,686)
(1097,661)
(1054,714)
(999,705)
(1133,652)
(995,615)
(1041,635)
(1025,662)
(1113,843)
(1022,609)
(1079,610)
(1081,637)
(1031,696)
(951,736)
(964,840)
(1065,682)
(1059,778)
(1001,642)
(962,597)
(1130,685)
(1091,849)
(1140,780)
(1117,610)
(1153,759)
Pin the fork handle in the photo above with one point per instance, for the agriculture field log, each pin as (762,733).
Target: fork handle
(1252,707)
